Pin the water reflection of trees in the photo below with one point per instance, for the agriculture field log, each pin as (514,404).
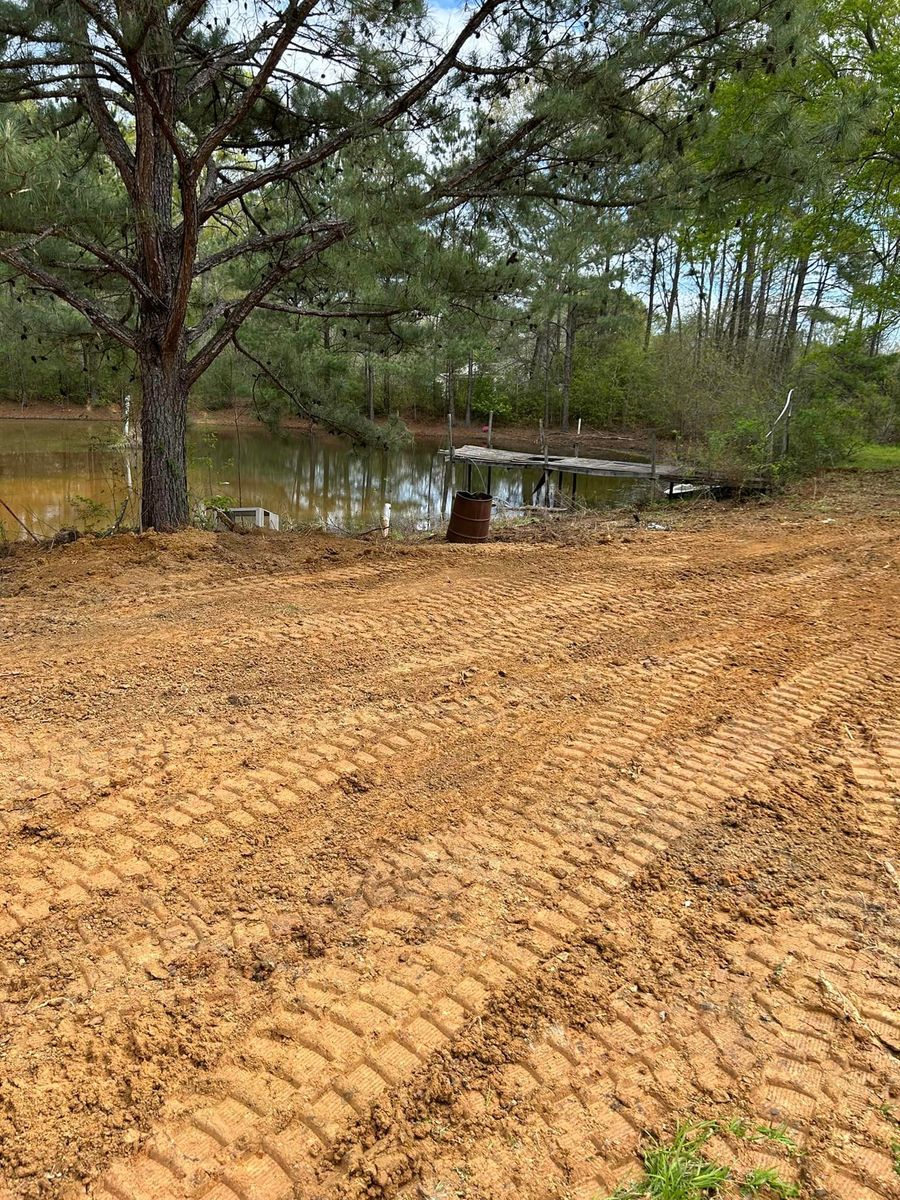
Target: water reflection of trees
(300,476)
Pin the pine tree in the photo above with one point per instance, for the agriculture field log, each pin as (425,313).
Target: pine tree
(238,148)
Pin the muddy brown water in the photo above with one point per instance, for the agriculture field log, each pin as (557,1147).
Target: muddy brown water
(59,473)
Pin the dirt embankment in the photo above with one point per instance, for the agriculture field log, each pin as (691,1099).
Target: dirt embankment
(345,870)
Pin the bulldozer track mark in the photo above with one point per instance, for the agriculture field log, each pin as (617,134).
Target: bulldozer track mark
(413,794)
(452,993)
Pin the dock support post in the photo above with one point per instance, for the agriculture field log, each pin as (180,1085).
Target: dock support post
(468,477)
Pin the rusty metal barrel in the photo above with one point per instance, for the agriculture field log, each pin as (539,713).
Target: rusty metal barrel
(470,517)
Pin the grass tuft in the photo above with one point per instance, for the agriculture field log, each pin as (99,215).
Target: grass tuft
(680,1170)
(766,1182)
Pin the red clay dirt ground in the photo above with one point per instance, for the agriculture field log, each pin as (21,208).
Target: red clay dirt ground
(341,870)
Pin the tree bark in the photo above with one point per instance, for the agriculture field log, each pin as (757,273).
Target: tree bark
(746,301)
(451,389)
(762,303)
(673,295)
(370,388)
(790,334)
(470,388)
(164,494)
(567,367)
(654,267)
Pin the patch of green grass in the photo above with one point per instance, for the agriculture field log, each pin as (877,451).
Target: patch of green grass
(680,1170)
(766,1182)
(874,457)
(895,1152)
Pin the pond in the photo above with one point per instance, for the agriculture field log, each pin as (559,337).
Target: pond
(59,473)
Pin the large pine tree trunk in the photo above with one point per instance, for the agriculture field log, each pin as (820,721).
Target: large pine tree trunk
(164,496)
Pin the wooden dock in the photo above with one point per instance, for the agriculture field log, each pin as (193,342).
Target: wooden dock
(566,464)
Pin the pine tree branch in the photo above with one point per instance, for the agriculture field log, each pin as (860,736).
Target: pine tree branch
(332,425)
(336,314)
(116,264)
(240,310)
(407,100)
(98,318)
(293,17)
(110,133)
(254,245)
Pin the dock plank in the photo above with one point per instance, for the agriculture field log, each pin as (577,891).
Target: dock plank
(566,463)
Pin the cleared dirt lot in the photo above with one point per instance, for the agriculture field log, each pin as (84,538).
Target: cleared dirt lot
(335,870)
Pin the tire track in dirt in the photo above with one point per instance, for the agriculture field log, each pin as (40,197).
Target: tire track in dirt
(103,818)
(424,900)
(274,794)
(745,1031)
(488,610)
(602,740)
(398,1049)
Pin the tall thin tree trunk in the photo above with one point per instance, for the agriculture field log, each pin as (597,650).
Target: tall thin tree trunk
(817,301)
(781,311)
(787,348)
(370,388)
(762,303)
(386,389)
(470,387)
(547,376)
(746,301)
(567,366)
(654,268)
(673,294)
(717,332)
(877,331)
(734,293)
